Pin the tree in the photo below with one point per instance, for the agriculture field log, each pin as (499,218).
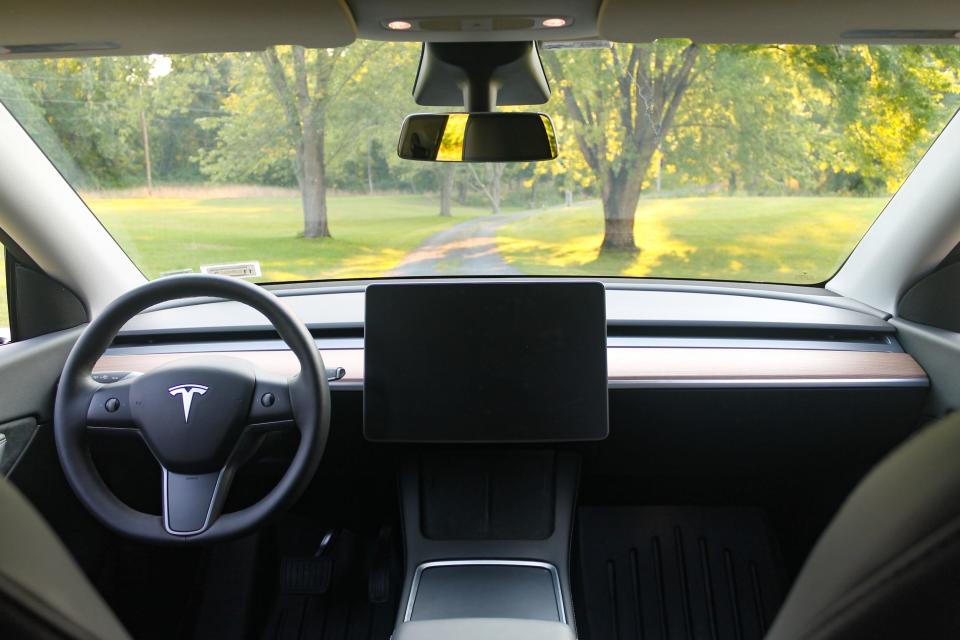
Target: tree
(323,115)
(304,110)
(746,127)
(491,183)
(622,101)
(569,172)
(882,101)
(92,106)
(447,176)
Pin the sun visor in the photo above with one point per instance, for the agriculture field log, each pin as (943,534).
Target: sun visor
(789,21)
(50,28)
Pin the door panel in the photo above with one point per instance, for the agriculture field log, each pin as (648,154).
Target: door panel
(29,371)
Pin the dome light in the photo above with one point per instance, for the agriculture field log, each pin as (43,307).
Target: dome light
(553,23)
(399,25)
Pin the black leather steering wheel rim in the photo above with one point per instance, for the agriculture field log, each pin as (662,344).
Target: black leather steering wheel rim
(77,393)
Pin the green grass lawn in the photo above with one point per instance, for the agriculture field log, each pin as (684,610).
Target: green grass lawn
(801,240)
(794,240)
(371,234)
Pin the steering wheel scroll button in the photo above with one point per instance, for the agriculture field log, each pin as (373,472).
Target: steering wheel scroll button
(110,407)
(271,401)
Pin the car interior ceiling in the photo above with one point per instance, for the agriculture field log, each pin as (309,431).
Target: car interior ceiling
(462,478)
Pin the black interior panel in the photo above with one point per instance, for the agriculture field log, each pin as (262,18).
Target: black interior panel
(677,572)
(487,496)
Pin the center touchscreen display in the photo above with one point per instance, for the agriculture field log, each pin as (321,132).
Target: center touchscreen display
(485,362)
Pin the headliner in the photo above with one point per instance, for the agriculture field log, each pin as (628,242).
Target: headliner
(108,27)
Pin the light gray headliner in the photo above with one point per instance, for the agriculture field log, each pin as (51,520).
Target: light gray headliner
(785,21)
(170,26)
(370,15)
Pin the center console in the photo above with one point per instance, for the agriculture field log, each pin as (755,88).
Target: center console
(487,535)
(487,378)
(484,629)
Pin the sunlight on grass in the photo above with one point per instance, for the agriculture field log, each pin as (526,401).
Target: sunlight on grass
(657,243)
(797,240)
(371,234)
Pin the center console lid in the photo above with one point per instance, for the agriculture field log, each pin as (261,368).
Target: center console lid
(483,629)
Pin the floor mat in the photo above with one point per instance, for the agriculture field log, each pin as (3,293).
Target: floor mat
(346,587)
(658,573)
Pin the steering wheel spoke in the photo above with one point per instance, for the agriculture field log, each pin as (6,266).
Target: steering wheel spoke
(109,406)
(271,407)
(192,502)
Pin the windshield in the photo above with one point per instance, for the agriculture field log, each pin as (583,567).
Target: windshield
(755,163)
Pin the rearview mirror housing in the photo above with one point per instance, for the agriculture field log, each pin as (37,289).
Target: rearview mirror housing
(478,137)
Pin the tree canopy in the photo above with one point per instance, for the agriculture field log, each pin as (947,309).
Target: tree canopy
(670,117)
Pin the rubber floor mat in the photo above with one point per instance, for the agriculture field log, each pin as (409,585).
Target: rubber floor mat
(659,573)
(348,591)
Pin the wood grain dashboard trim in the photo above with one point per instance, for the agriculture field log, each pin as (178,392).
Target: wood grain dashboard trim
(635,366)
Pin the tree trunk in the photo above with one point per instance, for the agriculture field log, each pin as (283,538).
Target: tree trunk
(146,150)
(313,187)
(618,235)
(462,192)
(446,189)
(568,197)
(621,194)
(495,174)
(370,168)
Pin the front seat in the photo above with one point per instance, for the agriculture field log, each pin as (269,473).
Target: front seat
(888,565)
(43,594)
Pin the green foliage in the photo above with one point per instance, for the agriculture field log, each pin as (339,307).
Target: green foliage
(366,104)
(813,119)
(754,119)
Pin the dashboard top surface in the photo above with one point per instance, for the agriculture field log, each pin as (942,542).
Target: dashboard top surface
(343,307)
(658,336)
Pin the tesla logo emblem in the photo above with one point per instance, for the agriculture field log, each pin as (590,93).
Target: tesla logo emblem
(186,393)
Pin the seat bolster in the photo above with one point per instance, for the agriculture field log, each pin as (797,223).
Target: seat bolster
(896,537)
(39,575)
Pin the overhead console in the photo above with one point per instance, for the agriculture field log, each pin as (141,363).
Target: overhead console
(485,362)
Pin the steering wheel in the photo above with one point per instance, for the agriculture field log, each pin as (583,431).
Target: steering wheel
(200,416)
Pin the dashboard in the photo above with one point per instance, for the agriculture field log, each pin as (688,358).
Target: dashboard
(761,390)
(656,338)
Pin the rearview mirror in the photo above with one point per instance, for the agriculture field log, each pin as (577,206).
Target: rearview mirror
(478,137)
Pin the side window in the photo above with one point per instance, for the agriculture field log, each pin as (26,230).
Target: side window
(33,303)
